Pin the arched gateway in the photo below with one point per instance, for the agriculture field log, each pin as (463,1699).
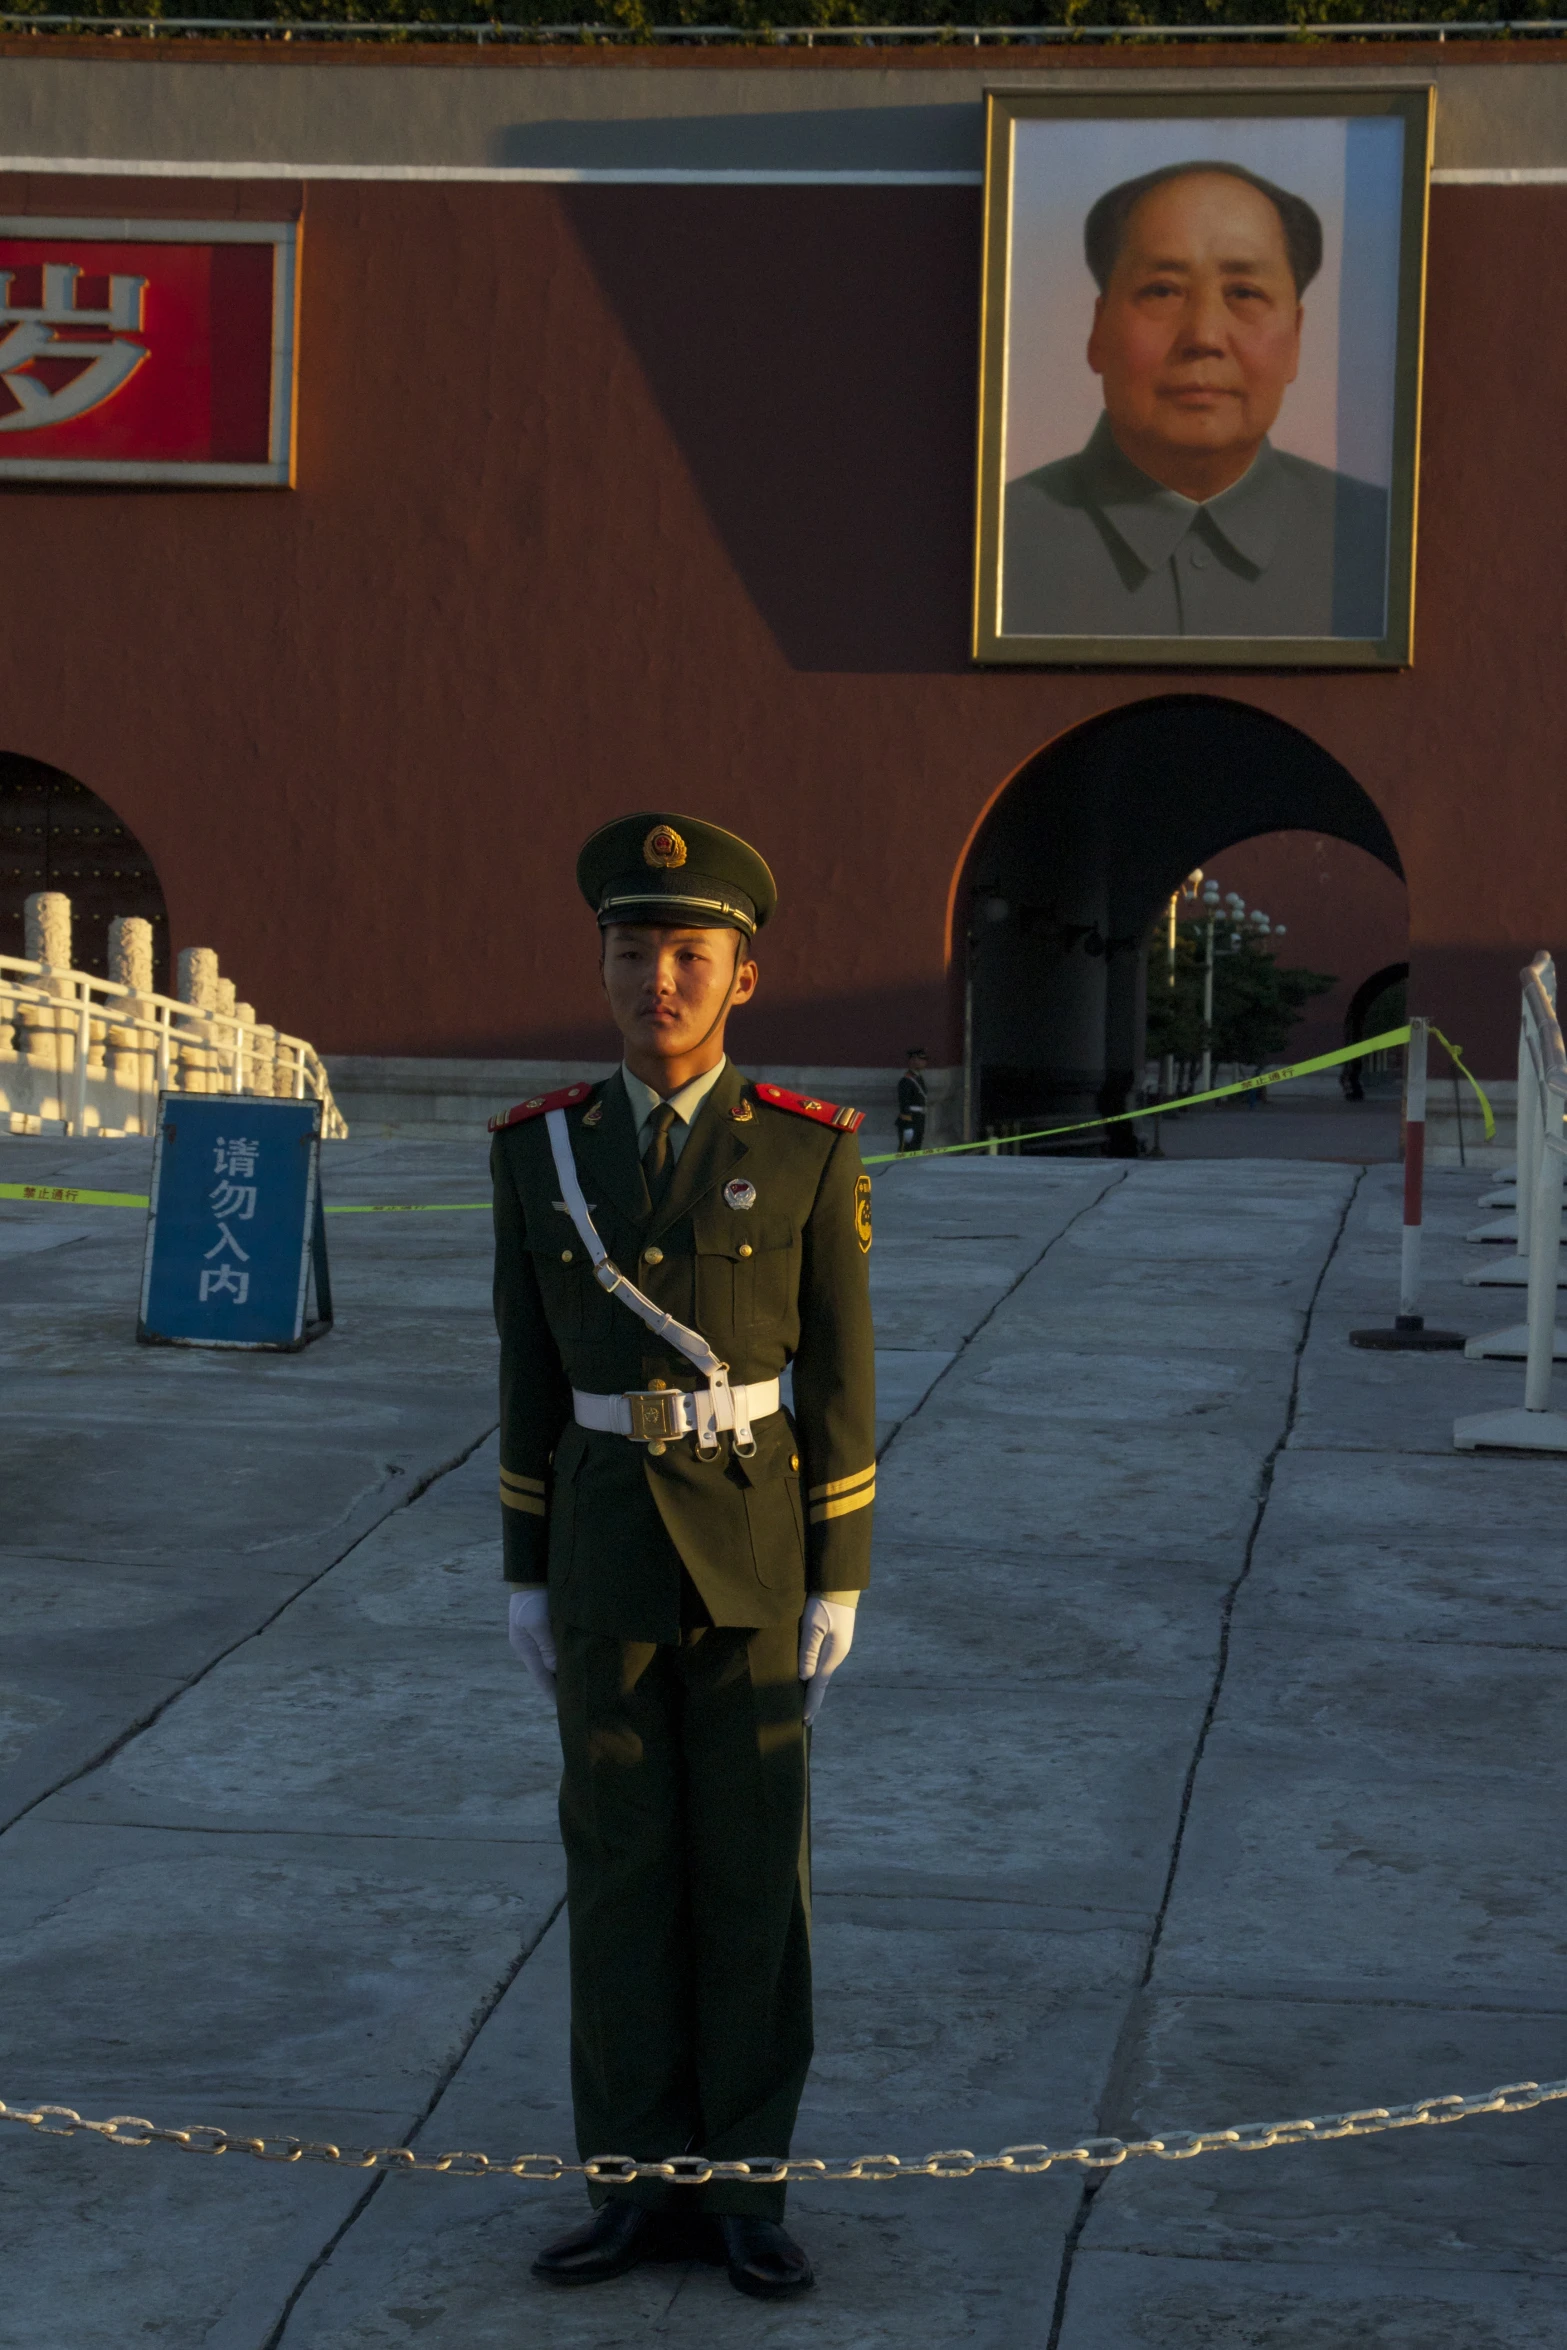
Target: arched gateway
(56,834)
(1076,858)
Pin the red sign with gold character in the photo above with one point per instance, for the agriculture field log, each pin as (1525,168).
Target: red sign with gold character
(147,351)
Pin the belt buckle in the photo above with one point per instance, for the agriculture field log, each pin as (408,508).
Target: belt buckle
(655,1414)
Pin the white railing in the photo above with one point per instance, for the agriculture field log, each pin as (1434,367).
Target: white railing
(90,1056)
(1542,1147)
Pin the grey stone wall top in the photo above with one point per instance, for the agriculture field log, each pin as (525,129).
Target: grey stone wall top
(577,115)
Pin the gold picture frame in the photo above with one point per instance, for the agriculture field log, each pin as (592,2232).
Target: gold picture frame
(1045,546)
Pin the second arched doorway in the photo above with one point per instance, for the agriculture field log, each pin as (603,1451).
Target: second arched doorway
(56,834)
(1075,859)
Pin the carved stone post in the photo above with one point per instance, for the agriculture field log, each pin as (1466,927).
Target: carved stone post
(198,987)
(133,1059)
(48,1034)
(224,1043)
(245,1014)
(263,1066)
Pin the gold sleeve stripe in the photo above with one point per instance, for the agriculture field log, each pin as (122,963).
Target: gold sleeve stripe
(840,1485)
(823,1510)
(521,1484)
(533,1505)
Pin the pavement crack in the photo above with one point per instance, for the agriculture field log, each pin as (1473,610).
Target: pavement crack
(481,2016)
(144,1721)
(995,1306)
(1237,1585)
(1093,2187)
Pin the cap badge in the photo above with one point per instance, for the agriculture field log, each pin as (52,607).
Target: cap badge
(663,848)
(739,1193)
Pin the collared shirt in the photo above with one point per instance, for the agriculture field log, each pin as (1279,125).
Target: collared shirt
(1095,547)
(685,1101)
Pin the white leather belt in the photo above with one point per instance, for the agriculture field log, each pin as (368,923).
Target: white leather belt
(658,1415)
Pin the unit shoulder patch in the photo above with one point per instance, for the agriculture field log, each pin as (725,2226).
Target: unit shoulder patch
(806,1105)
(565,1097)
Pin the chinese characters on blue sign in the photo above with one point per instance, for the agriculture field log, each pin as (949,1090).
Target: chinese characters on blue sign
(235,1231)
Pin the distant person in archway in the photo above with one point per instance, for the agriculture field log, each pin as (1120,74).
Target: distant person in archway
(911,1101)
(1180,517)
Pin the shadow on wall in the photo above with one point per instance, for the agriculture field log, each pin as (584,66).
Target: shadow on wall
(813,352)
(840,138)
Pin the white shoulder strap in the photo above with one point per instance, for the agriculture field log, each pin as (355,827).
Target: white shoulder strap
(608,1275)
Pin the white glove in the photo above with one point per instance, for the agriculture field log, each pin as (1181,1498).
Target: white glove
(826,1636)
(528,1630)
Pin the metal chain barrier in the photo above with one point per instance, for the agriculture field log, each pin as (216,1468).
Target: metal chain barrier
(691,2170)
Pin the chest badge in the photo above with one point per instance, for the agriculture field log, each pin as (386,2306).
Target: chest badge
(739,1193)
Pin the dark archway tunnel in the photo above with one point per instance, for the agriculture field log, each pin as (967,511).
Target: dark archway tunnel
(1080,852)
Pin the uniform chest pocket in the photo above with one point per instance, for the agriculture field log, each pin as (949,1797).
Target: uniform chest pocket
(574,1304)
(747,1269)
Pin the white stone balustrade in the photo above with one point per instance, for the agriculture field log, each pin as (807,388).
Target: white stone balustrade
(87,1056)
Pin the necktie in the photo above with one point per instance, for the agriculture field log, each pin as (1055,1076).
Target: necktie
(658,1160)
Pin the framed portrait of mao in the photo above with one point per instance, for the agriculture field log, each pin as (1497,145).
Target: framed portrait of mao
(1200,376)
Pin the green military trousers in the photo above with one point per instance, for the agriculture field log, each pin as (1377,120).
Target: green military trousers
(684,1812)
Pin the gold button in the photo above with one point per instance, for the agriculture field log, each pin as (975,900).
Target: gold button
(745,1248)
(656,1446)
(794,1460)
(658,1383)
(652,1256)
(565,1256)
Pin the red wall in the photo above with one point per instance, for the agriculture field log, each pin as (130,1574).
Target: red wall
(613,497)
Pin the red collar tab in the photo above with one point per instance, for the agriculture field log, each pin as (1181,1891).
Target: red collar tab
(806,1105)
(537,1104)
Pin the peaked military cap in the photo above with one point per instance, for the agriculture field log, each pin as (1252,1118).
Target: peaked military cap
(675,869)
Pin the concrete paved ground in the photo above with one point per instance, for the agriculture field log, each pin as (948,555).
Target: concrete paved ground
(1200,1761)
(1288,1125)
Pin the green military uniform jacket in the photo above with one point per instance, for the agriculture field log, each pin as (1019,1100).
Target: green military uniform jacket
(783,1280)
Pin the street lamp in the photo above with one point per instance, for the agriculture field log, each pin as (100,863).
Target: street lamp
(1188,891)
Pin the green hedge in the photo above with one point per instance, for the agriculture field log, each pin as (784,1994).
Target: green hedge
(645,19)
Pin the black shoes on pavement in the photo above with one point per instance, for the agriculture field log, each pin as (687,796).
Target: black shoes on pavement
(764,2259)
(761,2257)
(619,2236)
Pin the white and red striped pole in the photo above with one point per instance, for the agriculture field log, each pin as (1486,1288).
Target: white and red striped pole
(1409,1317)
(1409,1333)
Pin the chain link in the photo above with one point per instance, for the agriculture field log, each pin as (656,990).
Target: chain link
(691,2170)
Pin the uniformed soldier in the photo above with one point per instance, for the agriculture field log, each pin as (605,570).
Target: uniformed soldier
(685,1554)
(911,1101)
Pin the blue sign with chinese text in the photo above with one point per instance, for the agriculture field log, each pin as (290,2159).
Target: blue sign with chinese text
(234,1231)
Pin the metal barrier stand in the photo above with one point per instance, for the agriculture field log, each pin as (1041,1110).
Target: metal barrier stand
(1534,1428)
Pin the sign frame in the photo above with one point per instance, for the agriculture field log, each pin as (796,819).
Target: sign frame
(277,470)
(251,1109)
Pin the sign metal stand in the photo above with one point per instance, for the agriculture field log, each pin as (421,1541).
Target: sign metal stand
(236,1235)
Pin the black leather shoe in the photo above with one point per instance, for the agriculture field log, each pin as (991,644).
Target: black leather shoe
(619,2236)
(764,2259)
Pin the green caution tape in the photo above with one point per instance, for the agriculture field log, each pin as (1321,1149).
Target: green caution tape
(1458,1063)
(417,1207)
(60,1195)
(1217,1093)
